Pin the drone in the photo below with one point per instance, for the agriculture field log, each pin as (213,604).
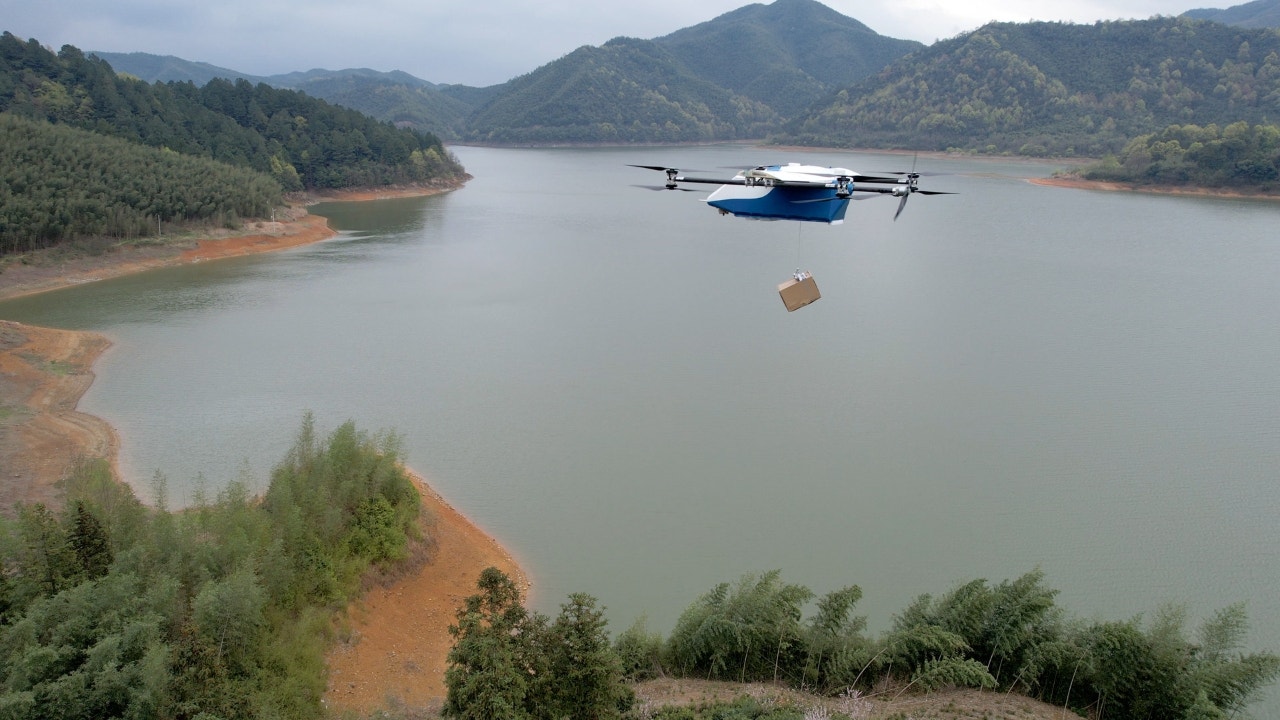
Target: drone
(808,193)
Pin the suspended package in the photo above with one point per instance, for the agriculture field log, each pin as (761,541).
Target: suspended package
(798,293)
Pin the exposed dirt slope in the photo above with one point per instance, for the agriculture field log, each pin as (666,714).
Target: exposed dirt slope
(398,640)
(43,374)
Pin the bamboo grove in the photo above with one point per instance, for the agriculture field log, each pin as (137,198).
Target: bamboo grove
(110,609)
(1009,636)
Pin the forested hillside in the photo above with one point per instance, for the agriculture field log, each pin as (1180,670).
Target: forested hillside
(1057,88)
(1256,14)
(168,68)
(303,142)
(1237,156)
(59,183)
(395,97)
(787,54)
(735,76)
(1040,89)
(628,90)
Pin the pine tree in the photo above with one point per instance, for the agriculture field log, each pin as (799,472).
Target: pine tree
(89,542)
(585,672)
(47,563)
(484,678)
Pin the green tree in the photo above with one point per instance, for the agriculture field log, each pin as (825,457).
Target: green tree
(1227,677)
(585,674)
(89,542)
(639,651)
(228,615)
(46,563)
(486,677)
(750,631)
(509,663)
(834,646)
(998,626)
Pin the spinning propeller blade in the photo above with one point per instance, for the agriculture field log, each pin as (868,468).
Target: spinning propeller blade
(667,187)
(912,173)
(910,185)
(901,204)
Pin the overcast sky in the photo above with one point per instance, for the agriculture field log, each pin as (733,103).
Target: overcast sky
(475,43)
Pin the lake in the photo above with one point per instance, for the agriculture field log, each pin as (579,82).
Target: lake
(605,379)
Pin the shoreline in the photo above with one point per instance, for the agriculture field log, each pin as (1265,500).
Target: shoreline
(1077,183)
(43,374)
(396,642)
(393,641)
(53,271)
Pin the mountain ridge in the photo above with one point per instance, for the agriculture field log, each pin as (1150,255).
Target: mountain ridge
(784,70)
(1256,14)
(770,72)
(1056,88)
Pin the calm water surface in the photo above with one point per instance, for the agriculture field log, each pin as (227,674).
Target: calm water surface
(605,379)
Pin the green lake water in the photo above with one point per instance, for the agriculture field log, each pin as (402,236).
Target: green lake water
(605,379)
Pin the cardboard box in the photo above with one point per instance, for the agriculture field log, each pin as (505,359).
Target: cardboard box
(798,293)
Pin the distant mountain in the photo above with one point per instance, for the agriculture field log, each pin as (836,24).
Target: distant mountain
(736,76)
(797,72)
(628,90)
(786,55)
(395,97)
(167,68)
(1056,88)
(1256,14)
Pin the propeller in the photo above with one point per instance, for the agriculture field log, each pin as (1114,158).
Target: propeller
(908,189)
(912,173)
(667,187)
(910,185)
(673,174)
(902,204)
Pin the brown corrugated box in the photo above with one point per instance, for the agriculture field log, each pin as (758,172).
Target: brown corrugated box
(798,293)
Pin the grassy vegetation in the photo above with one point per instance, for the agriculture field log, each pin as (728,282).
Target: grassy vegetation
(1008,636)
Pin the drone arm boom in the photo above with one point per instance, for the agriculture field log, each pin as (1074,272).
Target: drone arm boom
(878,180)
(711,181)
